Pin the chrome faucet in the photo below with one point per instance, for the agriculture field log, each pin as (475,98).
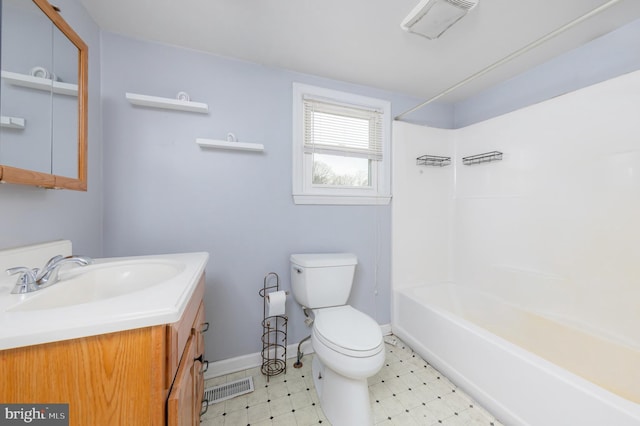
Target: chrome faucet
(36,279)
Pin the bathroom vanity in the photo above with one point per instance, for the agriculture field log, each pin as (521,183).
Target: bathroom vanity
(144,367)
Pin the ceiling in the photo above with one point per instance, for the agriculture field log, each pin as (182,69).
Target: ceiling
(360,41)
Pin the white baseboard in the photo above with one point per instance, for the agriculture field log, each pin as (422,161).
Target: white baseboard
(244,362)
(386,329)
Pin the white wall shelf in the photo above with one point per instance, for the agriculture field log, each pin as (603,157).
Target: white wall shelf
(40,83)
(166,103)
(12,122)
(221,144)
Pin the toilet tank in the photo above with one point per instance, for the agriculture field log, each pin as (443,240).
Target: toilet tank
(322,280)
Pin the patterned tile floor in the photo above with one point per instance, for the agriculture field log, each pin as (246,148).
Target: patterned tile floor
(407,391)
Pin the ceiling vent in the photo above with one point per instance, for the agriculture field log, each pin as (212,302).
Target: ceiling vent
(431,18)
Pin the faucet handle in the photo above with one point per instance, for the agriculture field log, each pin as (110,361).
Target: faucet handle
(28,274)
(26,281)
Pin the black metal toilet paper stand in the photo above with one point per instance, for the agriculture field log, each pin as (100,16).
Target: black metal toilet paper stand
(274,332)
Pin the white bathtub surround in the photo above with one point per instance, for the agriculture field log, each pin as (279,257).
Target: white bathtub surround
(407,391)
(422,206)
(552,231)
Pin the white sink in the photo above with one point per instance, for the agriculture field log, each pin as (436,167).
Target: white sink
(111,295)
(98,282)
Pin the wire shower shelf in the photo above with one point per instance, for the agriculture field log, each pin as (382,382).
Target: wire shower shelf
(486,157)
(433,160)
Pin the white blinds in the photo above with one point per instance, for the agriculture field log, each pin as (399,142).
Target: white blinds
(339,129)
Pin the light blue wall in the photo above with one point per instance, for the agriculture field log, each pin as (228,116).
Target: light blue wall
(166,194)
(611,55)
(32,215)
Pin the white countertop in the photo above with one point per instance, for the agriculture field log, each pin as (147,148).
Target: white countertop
(162,303)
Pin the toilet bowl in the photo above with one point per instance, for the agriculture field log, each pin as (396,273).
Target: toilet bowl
(348,341)
(348,349)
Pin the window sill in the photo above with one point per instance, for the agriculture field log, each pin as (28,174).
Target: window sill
(341,200)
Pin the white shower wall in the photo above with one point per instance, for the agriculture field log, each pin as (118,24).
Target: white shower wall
(422,208)
(554,226)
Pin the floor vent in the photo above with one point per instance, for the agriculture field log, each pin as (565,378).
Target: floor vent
(228,390)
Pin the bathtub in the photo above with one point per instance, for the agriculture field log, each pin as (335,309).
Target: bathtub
(525,368)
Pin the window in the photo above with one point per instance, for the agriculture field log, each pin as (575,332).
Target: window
(341,147)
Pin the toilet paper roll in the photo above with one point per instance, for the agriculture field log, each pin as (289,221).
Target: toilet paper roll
(276,301)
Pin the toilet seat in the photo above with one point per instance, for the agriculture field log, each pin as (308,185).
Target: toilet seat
(348,331)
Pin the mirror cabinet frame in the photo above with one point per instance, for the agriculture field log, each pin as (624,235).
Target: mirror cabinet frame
(17,175)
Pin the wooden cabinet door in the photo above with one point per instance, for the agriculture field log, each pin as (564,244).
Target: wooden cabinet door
(182,407)
(108,379)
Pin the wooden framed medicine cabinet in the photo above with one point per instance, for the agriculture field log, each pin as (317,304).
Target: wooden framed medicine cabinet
(43,98)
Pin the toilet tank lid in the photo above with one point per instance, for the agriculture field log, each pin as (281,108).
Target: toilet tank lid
(320,260)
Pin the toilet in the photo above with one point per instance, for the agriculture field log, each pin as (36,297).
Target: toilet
(348,344)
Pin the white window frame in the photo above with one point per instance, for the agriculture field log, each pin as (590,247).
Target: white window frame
(304,192)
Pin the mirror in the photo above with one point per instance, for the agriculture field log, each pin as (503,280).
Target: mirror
(43,98)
